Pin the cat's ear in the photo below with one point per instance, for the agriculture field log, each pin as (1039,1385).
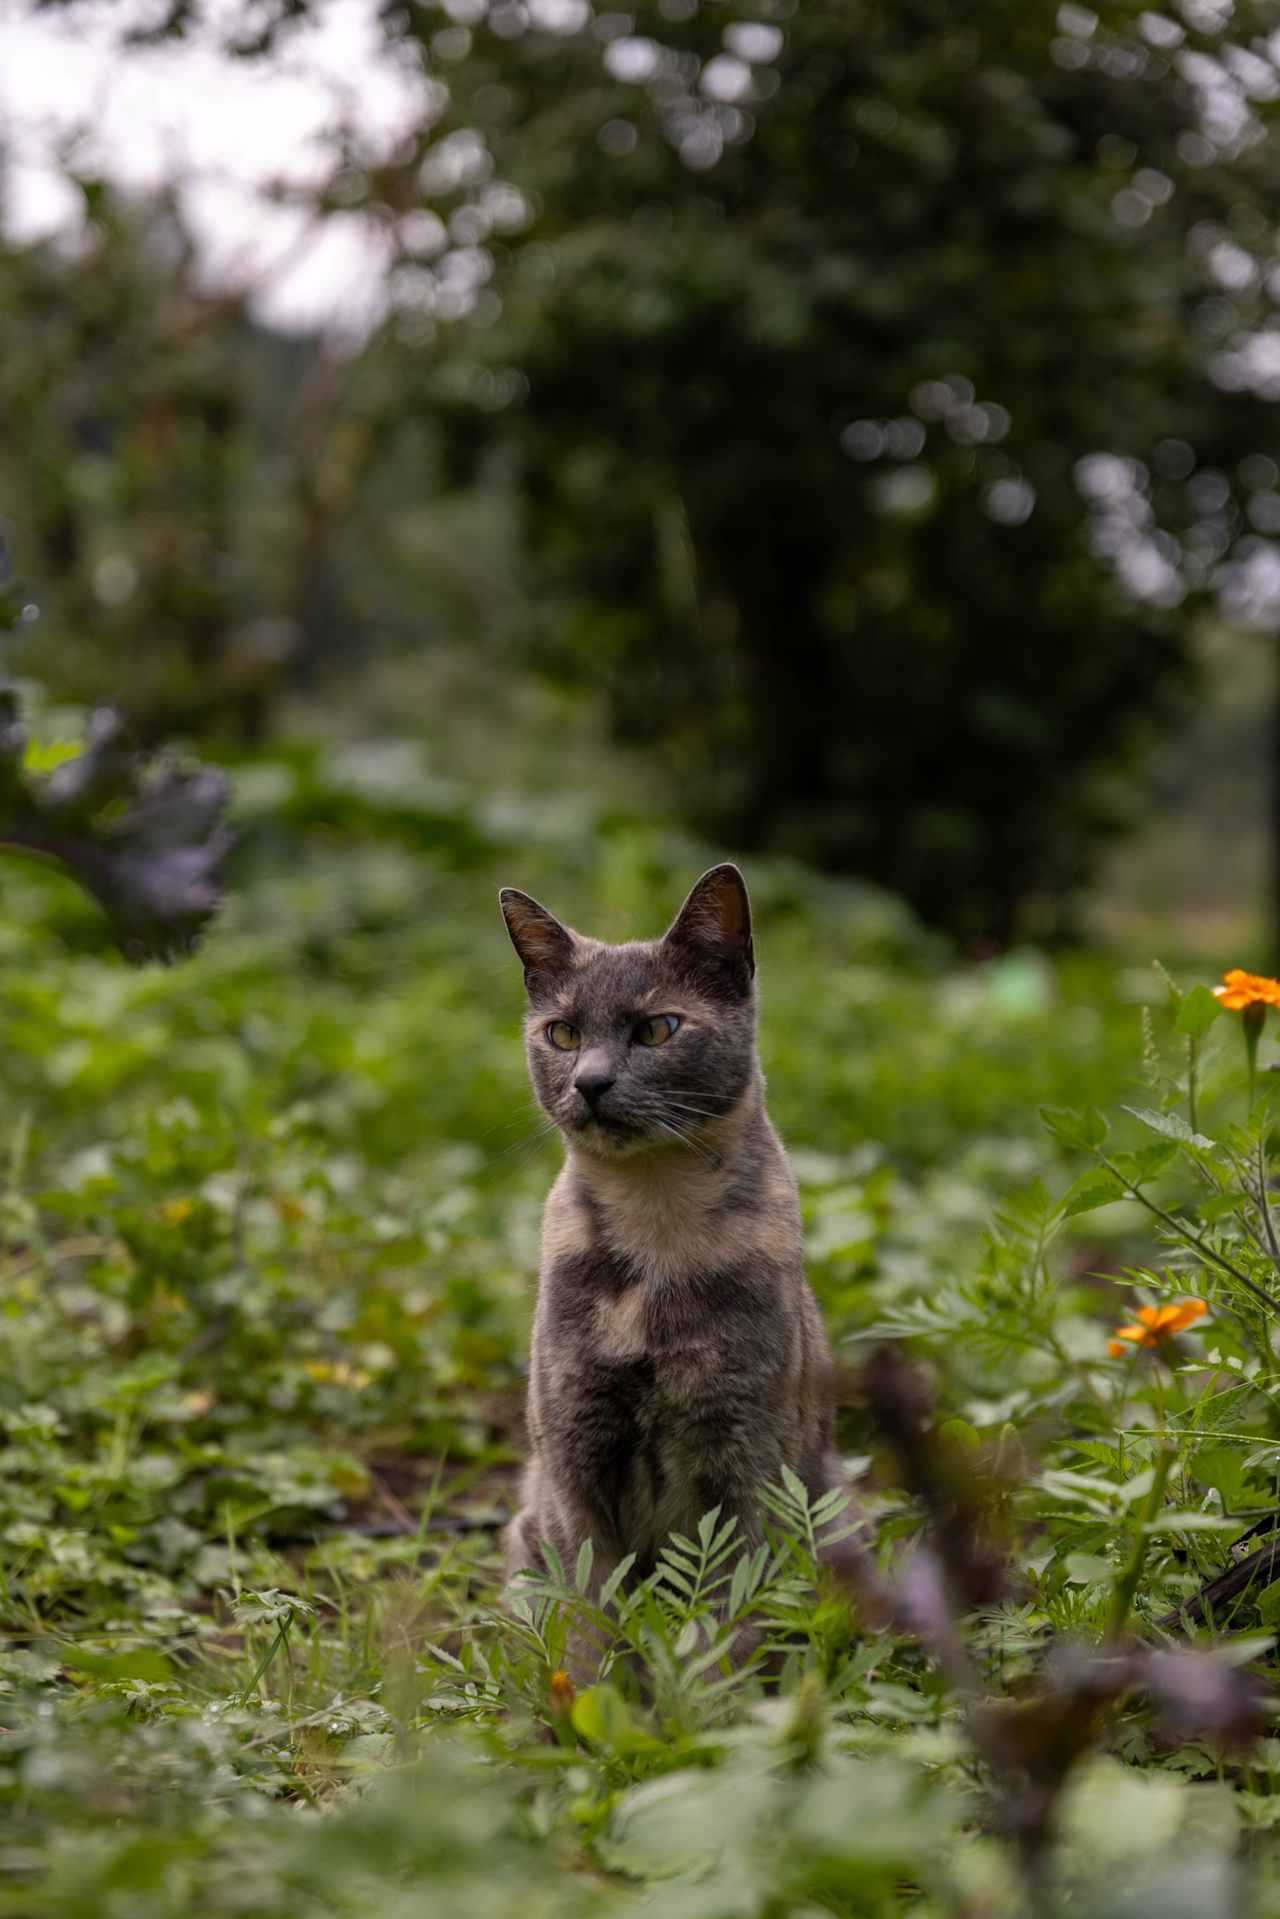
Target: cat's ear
(712,931)
(544,945)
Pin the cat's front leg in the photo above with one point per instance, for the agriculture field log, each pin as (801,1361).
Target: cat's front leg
(525,1533)
(550,1520)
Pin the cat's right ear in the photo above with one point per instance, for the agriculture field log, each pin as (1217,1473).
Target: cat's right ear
(544,945)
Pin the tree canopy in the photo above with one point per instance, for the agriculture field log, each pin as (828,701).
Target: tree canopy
(882,395)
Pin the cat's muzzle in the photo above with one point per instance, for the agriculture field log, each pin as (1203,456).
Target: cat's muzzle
(600,1129)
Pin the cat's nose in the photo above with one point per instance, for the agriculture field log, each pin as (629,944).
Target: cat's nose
(593,1082)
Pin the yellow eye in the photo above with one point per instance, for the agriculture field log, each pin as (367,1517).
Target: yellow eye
(658,1030)
(567,1038)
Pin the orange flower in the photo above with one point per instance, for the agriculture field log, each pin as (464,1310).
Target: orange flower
(1240,990)
(560,1694)
(1155,1324)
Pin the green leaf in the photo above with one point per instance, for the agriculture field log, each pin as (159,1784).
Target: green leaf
(1192,1522)
(721,1543)
(1088,1569)
(674,1577)
(601,1716)
(609,1591)
(747,1575)
(143,1663)
(796,1487)
(1222,1468)
(1218,1206)
(1198,1011)
(552,1560)
(1137,1487)
(1149,1161)
(1080,1488)
(1168,1125)
(1081,1131)
(1094,1188)
(582,1575)
(960,1435)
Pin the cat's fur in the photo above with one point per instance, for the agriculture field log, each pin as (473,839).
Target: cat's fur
(679,1360)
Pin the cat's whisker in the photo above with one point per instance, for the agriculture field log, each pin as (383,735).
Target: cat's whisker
(672,1108)
(666,1098)
(525,1145)
(696,1112)
(699,1152)
(505,1125)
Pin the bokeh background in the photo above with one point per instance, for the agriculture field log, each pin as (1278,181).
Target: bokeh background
(848,432)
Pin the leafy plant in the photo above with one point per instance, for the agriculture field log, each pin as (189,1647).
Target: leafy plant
(265,1260)
(147,839)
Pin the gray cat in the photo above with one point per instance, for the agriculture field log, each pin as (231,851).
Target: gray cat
(679,1361)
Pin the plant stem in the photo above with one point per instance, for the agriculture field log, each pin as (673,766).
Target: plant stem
(1264,1204)
(1192,1239)
(281,1639)
(1127,1584)
(1252,1021)
(1193,1074)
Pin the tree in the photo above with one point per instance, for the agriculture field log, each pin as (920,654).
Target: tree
(860,365)
(176,481)
(883,390)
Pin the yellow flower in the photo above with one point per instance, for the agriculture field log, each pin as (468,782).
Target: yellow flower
(339,1373)
(1240,990)
(177,1210)
(1155,1324)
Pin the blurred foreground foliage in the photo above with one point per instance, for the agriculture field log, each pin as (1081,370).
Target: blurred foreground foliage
(144,836)
(268,1226)
(868,399)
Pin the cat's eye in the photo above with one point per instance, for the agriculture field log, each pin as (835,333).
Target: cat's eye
(565,1037)
(656,1031)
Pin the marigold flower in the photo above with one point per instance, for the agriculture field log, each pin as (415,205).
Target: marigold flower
(1240,990)
(560,1694)
(1156,1323)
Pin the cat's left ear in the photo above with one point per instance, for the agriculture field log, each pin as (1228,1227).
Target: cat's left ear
(712,931)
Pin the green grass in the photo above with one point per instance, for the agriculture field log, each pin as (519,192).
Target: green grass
(268,1230)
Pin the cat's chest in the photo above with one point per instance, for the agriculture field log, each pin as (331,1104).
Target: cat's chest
(634,1335)
(666,1235)
(621,1327)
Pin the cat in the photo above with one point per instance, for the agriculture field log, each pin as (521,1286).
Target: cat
(679,1360)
